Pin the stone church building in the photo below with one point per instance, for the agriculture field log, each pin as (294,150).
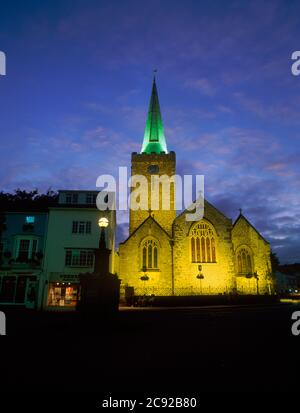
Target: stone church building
(166,254)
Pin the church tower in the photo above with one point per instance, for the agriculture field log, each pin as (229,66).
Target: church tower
(154,162)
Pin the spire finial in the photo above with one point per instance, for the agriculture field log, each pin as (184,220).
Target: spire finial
(154,74)
(241,211)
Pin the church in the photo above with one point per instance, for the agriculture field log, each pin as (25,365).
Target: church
(166,254)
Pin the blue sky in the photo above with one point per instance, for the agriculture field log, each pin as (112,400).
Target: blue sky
(73,104)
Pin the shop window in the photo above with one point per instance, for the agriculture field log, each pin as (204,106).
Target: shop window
(63,294)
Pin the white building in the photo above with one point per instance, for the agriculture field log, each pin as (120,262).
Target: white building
(72,237)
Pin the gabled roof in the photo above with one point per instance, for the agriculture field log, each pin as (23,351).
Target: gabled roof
(208,203)
(150,217)
(154,136)
(241,216)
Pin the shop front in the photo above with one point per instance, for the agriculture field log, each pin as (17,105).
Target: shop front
(63,291)
(18,289)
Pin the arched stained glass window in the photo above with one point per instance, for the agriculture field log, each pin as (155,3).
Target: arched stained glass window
(144,257)
(208,249)
(203,247)
(150,262)
(155,257)
(244,261)
(198,250)
(193,249)
(149,254)
(239,263)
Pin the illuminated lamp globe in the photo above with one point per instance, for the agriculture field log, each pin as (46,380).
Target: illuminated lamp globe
(103,222)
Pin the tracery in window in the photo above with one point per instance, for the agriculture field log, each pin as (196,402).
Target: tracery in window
(203,246)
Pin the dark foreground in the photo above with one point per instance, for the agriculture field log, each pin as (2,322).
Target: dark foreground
(188,349)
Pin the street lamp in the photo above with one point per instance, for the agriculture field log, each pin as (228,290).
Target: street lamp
(102,253)
(103,222)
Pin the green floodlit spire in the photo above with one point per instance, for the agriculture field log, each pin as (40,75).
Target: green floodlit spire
(154,136)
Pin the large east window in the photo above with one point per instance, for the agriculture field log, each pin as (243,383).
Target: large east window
(149,254)
(79,258)
(203,244)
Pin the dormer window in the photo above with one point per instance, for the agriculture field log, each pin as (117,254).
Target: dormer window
(90,198)
(71,198)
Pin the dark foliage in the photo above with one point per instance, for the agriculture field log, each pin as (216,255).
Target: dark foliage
(274,261)
(27,201)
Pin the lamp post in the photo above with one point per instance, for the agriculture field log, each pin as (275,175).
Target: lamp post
(100,290)
(102,253)
(103,223)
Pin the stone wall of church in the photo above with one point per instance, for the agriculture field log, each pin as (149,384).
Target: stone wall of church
(166,164)
(243,234)
(130,258)
(219,277)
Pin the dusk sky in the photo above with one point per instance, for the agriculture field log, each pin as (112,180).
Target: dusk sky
(75,98)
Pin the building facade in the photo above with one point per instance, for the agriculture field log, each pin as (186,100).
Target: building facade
(22,252)
(166,254)
(72,237)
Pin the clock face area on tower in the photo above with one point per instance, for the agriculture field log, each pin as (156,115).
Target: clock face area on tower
(153,169)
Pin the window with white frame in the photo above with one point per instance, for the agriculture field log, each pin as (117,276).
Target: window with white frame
(26,248)
(81,227)
(90,198)
(71,198)
(79,258)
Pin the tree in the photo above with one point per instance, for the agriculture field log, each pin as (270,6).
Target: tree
(274,261)
(22,200)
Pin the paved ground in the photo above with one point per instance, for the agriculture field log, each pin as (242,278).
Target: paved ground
(188,349)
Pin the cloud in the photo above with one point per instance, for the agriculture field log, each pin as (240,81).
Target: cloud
(285,110)
(202,85)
